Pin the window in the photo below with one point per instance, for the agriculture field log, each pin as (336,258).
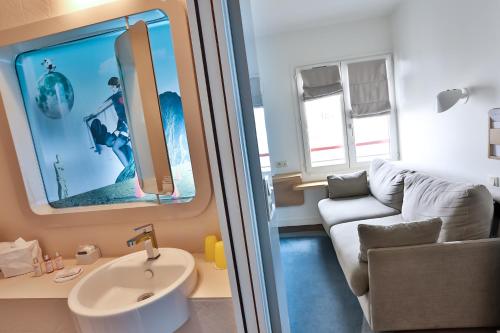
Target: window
(325,115)
(347,113)
(75,108)
(371,137)
(260,126)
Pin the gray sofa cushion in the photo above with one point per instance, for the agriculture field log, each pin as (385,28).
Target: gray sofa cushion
(335,211)
(387,183)
(401,234)
(346,243)
(348,185)
(466,210)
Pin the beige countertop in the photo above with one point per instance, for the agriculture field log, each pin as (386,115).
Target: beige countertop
(212,282)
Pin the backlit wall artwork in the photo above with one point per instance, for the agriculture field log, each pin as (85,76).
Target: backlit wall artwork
(75,108)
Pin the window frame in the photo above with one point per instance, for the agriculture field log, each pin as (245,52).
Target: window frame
(349,139)
(309,169)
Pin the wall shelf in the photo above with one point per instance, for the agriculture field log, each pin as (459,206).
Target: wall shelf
(289,188)
(284,193)
(494,139)
(310,185)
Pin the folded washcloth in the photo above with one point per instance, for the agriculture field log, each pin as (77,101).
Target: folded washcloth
(68,274)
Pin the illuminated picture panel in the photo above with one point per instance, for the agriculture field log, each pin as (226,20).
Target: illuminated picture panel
(75,108)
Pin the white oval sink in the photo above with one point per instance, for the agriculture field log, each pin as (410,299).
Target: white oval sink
(134,295)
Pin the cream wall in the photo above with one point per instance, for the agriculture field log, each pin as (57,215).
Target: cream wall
(109,229)
(439,45)
(278,57)
(18,12)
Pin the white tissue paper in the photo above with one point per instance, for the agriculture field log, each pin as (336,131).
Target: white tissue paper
(16,257)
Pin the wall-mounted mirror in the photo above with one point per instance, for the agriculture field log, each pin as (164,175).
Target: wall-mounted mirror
(142,106)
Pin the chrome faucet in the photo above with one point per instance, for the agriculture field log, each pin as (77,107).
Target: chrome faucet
(148,236)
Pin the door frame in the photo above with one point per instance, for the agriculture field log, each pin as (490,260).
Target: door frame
(229,167)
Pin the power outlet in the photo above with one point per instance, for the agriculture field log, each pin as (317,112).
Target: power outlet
(281,164)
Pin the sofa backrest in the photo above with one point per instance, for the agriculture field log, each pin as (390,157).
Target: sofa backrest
(466,210)
(387,183)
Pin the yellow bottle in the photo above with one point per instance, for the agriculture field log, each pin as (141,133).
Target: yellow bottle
(220,259)
(210,241)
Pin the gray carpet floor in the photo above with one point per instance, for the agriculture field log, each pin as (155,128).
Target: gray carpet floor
(319,299)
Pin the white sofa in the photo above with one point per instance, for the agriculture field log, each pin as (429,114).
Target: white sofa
(452,283)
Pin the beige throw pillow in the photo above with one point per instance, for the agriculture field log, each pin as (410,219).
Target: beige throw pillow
(347,185)
(401,234)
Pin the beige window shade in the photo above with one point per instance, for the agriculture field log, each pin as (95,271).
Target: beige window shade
(368,88)
(321,81)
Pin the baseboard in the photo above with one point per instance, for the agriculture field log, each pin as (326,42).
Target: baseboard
(302,231)
(293,222)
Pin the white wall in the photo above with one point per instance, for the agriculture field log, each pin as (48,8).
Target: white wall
(438,45)
(278,57)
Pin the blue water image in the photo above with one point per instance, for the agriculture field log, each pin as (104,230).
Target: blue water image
(75,109)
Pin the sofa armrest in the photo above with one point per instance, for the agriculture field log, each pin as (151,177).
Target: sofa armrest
(443,285)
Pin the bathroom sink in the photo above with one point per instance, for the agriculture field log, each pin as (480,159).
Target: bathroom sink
(132,294)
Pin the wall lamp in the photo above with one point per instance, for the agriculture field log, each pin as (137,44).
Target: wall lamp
(448,98)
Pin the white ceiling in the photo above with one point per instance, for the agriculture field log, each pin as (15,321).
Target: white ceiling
(277,16)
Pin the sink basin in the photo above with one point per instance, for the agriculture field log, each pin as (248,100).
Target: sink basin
(134,295)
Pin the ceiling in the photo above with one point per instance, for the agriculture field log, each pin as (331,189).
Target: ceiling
(278,16)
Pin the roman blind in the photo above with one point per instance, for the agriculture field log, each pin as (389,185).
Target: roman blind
(368,88)
(320,81)
(256,92)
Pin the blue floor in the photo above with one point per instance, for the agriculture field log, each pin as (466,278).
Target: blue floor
(319,299)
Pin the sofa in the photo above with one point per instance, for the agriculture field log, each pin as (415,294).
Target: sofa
(451,283)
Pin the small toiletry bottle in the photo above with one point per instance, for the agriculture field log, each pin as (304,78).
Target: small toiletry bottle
(37,268)
(49,265)
(58,261)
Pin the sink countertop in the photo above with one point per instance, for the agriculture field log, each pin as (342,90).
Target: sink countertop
(212,283)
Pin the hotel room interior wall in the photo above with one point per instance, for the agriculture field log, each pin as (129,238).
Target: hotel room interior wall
(17,219)
(18,12)
(439,45)
(278,57)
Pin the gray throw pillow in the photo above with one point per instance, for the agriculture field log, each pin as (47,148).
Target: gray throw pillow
(401,234)
(348,185)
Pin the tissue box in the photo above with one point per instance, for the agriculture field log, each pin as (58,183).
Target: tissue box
(16,258)
(87,254)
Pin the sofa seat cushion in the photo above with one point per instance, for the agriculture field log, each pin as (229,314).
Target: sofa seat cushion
(345,241)
(466,209)
(335,211)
